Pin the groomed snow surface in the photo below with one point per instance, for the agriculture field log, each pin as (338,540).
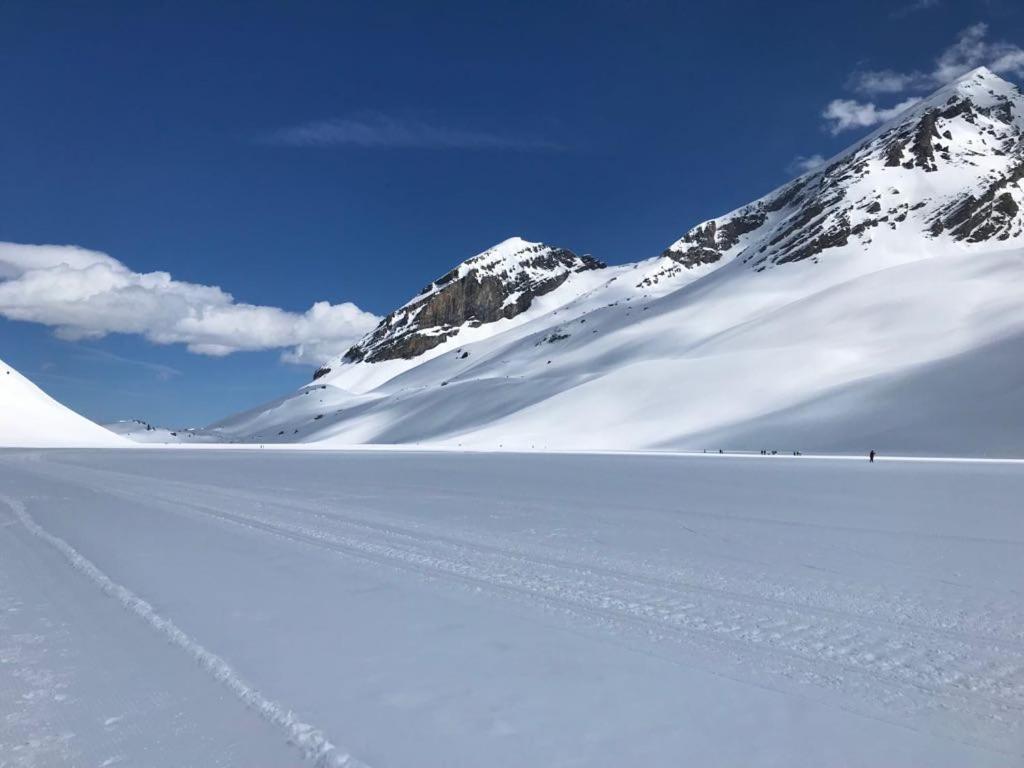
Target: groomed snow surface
(272,608)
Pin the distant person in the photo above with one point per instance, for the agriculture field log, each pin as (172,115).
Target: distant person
(871,457)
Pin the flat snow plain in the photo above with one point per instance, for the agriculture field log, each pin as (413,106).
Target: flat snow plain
(268,608)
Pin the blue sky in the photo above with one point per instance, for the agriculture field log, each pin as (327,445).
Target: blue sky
(290,153)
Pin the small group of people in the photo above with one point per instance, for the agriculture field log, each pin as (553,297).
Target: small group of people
(764,452)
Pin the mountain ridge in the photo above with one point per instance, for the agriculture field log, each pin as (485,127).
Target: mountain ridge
(744,315)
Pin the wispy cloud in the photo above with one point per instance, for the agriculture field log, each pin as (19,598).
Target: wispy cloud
(86,294)
(971,49)
(101,386)
(373,130)
(846,114)
(160,371)
(805,164)
(885,81)
(916,6)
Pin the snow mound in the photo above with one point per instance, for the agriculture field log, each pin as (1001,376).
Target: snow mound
(31,418)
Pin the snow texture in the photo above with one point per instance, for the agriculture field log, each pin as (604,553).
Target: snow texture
(310,740)
(460,609)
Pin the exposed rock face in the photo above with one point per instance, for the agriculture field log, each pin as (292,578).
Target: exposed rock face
(994,214)
(923,148)
(706,243)
(497,284)
(950,167)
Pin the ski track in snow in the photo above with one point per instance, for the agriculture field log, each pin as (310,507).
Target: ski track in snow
(311,741)
(792,641)
(879,666)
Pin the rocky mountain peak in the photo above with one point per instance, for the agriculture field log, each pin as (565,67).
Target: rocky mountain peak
(499,283)
(949,167)
(983,83)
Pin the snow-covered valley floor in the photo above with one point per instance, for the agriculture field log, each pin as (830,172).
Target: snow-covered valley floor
(240,608)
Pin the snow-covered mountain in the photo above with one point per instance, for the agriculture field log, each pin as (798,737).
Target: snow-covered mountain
(499,284)
(947,170)
(874,302)
(31,418)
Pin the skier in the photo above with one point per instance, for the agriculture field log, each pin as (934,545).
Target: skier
(871,457)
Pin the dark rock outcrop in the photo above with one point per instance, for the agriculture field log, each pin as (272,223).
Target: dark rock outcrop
(704,244)
(479,291)
(993,214)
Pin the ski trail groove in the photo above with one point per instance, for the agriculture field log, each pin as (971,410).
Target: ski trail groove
(945,678)
(315,746)
(672,581)
(639,595)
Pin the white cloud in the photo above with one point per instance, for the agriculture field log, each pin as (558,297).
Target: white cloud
(86,294)
(972,49)
(802,164)
(879,81)
(375,130)
(847,114)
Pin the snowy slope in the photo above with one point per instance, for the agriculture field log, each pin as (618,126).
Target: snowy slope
(903,253)
(30,417)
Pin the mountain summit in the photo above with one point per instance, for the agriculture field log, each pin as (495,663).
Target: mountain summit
(500,283)
(946,168)
(815,317)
